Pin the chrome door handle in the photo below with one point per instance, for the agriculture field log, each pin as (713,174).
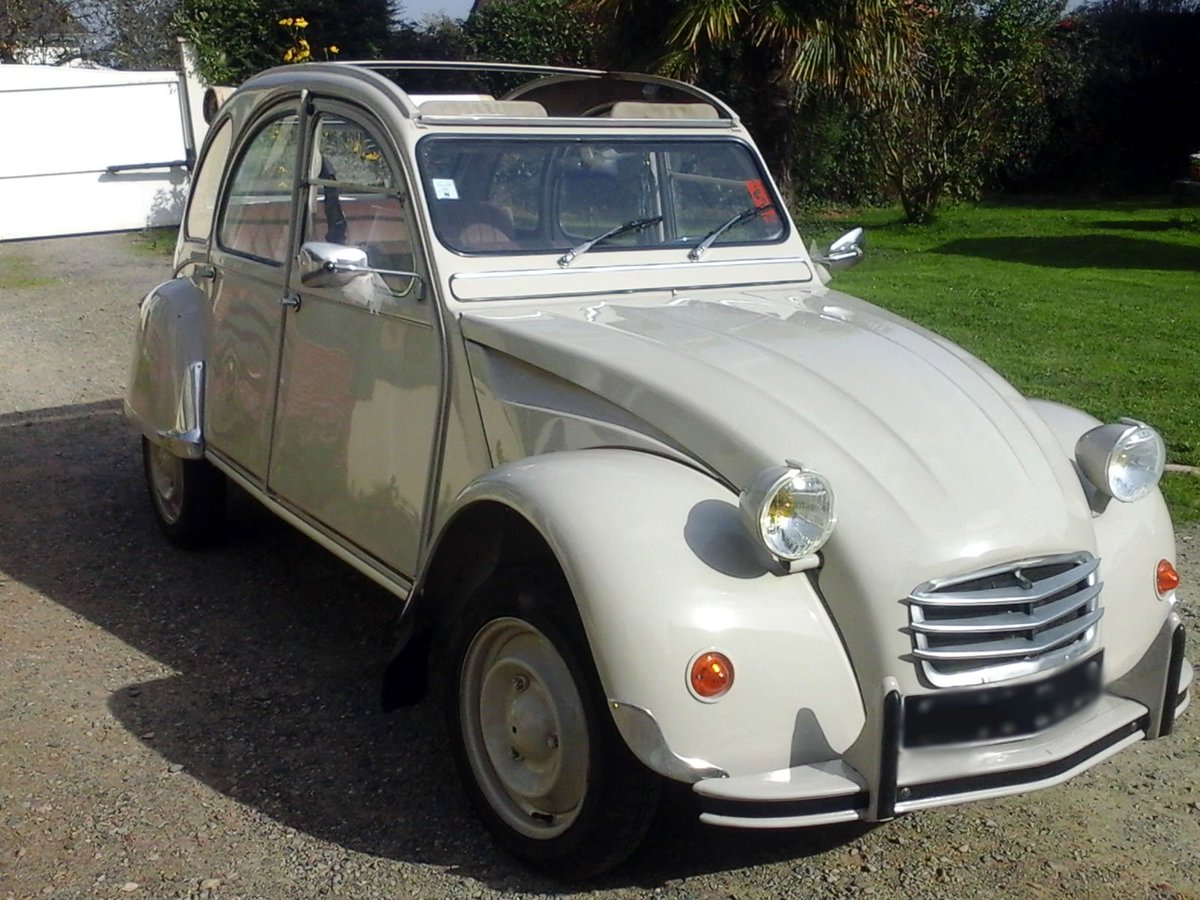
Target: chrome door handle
(290,301)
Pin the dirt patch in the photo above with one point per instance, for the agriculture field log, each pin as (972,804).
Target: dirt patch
(187,725)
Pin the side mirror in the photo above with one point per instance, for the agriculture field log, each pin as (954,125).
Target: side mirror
(326,265)
(845,251)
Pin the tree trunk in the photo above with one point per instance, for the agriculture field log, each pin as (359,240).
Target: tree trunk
(770,115)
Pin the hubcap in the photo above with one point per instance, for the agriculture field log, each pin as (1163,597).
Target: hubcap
(166,483)
(523,728)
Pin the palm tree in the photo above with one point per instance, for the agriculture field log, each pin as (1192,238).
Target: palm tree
(779,48)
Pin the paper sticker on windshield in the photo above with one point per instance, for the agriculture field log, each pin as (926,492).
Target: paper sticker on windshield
(445,189)
(759,197)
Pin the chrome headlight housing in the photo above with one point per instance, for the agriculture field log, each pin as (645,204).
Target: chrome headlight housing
(790,509)
(1124,460)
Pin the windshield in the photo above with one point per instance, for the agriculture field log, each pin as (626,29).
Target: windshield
(539,195)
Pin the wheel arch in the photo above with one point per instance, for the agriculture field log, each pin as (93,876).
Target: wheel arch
(661,568)
(480,538)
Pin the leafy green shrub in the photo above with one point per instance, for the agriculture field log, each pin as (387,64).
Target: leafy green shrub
(833,161)
(543,32)
(966,108)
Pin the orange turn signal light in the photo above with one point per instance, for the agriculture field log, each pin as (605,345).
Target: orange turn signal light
(711,675)
(1166,579)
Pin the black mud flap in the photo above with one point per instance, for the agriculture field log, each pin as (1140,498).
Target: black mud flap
(406,678)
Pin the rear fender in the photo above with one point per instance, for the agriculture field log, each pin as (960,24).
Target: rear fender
(662,569)
(165,396)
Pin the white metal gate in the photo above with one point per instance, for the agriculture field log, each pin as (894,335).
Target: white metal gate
(90,150)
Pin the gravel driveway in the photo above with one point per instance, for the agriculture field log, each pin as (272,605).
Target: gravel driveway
(186,725)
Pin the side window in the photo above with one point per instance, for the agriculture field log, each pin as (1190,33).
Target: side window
(357,199)
(205,184)
(259,203)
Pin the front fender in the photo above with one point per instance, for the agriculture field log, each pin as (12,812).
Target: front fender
(1130,540)
(662,569)
(166,379)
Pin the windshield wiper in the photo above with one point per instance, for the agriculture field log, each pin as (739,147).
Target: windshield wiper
(746,214)
(636,225)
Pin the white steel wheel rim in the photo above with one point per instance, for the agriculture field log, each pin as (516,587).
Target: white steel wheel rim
(166,482)
(523,727)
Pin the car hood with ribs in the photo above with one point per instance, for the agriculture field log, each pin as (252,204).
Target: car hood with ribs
(938,465)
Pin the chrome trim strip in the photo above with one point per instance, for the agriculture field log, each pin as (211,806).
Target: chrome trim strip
(592,122)
(177,445)
(466,286)
(1015,648)
(931,594)
(165,438)
(1011,621)
(1011,626)
(189,414)
(383,65)
(185,438)
(644,737)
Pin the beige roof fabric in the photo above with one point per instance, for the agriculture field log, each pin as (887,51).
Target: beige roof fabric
(511,109)
(631,109)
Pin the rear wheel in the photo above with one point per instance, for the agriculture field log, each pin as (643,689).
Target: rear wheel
(535,744)
(188,495)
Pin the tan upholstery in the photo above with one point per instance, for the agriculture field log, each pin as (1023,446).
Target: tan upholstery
(470,225)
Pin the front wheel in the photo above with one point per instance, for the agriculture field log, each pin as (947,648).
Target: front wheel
(535,744)
(188,495)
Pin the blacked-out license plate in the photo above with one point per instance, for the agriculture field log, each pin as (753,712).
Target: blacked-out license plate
(1001,712)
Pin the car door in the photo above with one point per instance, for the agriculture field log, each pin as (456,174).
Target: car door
(250,256)
(360,366)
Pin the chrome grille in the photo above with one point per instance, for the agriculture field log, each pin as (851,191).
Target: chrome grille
(1006,621)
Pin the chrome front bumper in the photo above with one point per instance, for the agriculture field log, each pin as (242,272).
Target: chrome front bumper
(913,778)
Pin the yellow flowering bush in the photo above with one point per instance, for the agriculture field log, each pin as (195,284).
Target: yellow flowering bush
(300,49)
(353,155)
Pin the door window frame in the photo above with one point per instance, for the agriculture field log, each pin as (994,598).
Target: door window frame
(292,107)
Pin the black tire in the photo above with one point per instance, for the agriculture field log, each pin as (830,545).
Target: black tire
(187,496)
(534,743)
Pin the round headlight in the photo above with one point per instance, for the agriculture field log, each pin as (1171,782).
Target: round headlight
(790,510)
(1125,460)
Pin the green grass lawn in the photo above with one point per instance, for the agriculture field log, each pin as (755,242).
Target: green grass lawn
(157,241)
(1092,304)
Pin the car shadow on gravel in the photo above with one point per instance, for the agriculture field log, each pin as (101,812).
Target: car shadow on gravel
(276,651)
